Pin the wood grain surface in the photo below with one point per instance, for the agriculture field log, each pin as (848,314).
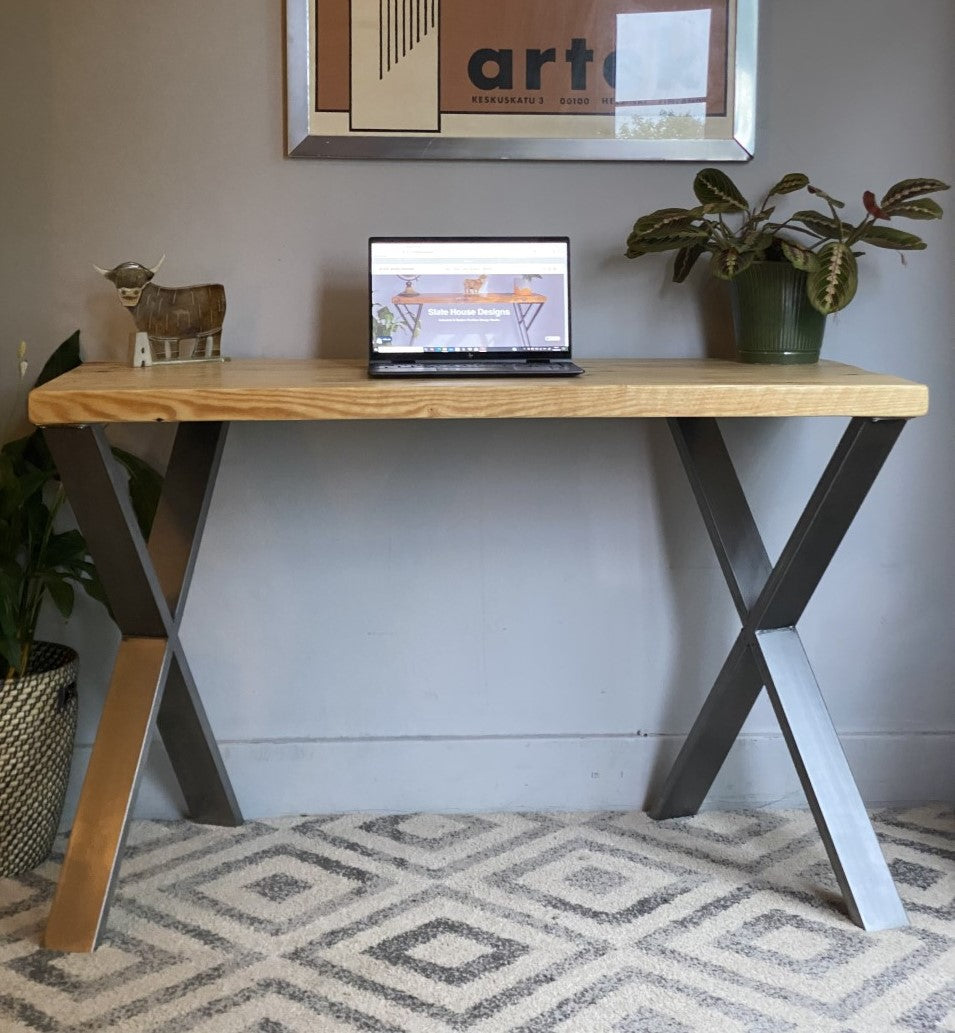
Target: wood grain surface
(332,389)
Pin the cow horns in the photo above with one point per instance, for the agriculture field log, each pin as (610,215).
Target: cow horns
(154,270)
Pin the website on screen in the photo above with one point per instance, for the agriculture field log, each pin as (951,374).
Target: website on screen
(469,296)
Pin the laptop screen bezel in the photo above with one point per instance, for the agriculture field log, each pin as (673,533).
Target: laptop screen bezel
(538,354)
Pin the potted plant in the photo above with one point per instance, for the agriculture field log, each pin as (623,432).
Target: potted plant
(40,562)
(524,284)
(787,275)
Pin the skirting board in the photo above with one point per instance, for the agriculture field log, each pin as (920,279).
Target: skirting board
(574,773)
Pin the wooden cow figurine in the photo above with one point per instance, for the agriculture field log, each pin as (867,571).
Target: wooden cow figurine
(171,315)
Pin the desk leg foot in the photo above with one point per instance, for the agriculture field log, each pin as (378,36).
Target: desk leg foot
(95,846)
(193,751)
(855,855)
(713,733)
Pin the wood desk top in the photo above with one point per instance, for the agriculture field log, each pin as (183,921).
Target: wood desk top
(334,389)
(468,299)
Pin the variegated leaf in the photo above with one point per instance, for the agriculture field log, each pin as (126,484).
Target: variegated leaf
(718,192)
(921,208)
(758,239)
(789,183)
(671,240)
(832,284)
(799,257)
(765,214)
(896,240)
(824,225)
(906,189)
(868,202)
(827,197)
(729,263)
(665,218)
(685,260)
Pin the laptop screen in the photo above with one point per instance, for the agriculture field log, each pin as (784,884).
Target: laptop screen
(464,297)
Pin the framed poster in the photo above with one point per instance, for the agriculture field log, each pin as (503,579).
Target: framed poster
(611,80)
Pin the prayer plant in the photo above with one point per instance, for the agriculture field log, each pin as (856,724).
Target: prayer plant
(39,561)
(822,244)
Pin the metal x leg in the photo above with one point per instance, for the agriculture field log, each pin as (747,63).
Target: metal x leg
(768,652)
(151,683)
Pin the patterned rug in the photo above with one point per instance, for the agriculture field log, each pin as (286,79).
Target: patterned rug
(527,923)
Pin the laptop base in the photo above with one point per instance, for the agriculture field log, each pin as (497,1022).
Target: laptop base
(551,368)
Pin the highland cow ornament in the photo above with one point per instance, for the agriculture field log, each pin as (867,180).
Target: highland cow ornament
(174,324)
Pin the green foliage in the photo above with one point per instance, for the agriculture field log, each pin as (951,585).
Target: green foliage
(832,284)
(715,190)
(38,562)
(384,322)
(826,245)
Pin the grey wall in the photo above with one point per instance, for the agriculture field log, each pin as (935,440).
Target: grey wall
(463,615)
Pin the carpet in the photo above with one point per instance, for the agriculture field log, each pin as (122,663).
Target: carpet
(727,922)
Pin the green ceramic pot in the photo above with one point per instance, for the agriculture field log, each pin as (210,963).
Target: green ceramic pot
(772,315)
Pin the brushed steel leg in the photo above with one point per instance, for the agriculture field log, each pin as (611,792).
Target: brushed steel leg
(869,894)
(698,763)
(770,601)
(146,586)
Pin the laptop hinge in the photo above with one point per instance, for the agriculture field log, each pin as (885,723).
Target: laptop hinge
(538,361)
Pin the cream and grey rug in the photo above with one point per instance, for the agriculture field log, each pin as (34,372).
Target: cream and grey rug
(526,923)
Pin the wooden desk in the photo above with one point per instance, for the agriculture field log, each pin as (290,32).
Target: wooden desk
(152,686)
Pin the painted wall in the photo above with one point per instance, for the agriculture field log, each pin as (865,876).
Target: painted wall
(464,615)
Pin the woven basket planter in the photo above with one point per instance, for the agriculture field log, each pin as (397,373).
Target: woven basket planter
(37,731)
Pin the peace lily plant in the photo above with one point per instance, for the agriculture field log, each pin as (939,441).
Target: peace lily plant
(39,560)
(822,244)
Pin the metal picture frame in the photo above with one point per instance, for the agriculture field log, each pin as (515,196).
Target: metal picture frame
(367,79)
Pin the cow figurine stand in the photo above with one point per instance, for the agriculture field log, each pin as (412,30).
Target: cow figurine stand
(174,324)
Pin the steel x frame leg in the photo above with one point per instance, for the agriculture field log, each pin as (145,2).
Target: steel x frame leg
(768,652)
(151,684)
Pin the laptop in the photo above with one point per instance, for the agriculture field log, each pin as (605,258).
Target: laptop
(470,306)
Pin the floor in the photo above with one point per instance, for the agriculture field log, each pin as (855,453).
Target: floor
(538,923)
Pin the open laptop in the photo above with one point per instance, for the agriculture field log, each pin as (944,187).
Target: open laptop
(470,306)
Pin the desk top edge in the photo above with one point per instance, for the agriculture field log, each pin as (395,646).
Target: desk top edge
(325,389)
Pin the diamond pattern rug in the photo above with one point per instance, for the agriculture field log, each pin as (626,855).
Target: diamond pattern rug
(728,922)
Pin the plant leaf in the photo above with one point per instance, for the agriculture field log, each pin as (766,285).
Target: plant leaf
(685,260)
(825,196)
(145,486)
(729,262)
(669,240)
(791,182)
(95,590)
(798,256)
(832,284)
(62,594)
(906,189)
(868,202)
(897,240)
(665,218)
(716,190)
(9,653)
(63,549)
(824,225)
(921,208)
(65,358)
